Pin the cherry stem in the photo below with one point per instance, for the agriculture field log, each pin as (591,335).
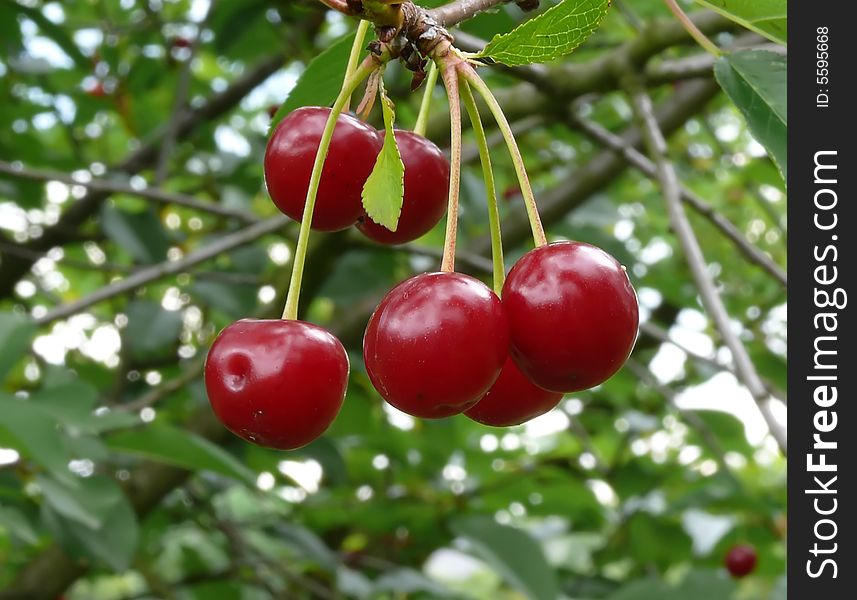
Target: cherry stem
(354,57)
(363,71)
(692,29)
(490,188)
(425,107)
(474,80)
(338,5)
(450,80)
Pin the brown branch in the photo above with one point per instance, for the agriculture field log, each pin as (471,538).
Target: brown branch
(641,162)
(657,147)
(454,13)
(13,268)
(104,186)
(147,275)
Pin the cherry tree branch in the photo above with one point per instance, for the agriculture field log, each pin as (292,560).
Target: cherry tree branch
(149,274)
(666,175)
(338,5)
(454,13)
(641,162)
(106,186)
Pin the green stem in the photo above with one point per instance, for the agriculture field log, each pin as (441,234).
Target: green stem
(362,72)
(422,118)
(490,189)
(692,29)
(526,189)
(354,57)
(450,80)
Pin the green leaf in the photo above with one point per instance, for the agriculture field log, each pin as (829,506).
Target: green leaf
(152,331)
(35,432)
(765,17)
(512,553)
(384,190)
(141,234)
(58,34)
(181,448)
(16,331)
(71,500)
(728,429)
(320,82)
(551,35)
(410,581)
(111,539)
(755,80)
(17,524)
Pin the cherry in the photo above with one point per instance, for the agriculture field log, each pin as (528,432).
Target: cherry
(435,344)
(741,560)
(290,155)
(97,90)
(181,42)
(426,185)
(276,383)
(573,315)
(512,400)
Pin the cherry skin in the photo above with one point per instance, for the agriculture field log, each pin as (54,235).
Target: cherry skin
(741,560)
(290,155)
(512,400)
(435,344)
(426,187)
(573,315)
(276,383)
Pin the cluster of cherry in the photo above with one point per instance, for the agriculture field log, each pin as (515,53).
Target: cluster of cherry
(438,344)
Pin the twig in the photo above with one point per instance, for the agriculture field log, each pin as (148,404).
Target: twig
(668,179)
(688,416)
(149,274)
(641,162)
(113,187)
(450,15)
(167,388)
(168,142)
(692,29)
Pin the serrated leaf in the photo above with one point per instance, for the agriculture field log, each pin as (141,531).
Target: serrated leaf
(551,35)
(755,80)
(765,17)
(384,190)
(181,448)
(512,553)
(320,82)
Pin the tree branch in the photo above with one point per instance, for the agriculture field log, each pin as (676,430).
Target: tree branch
(103,186)
(450,15)
(639,160)
(149,274)
(657,147)
(13,268)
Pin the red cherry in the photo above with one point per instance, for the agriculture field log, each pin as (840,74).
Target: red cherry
(436,343)
(181,42)
(426,188)
(741,560)
(96,90)
(512,400)
(573,315)
(291,153)
(276,383)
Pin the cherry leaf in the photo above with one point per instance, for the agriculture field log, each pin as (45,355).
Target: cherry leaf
(551,35)
(384,190)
